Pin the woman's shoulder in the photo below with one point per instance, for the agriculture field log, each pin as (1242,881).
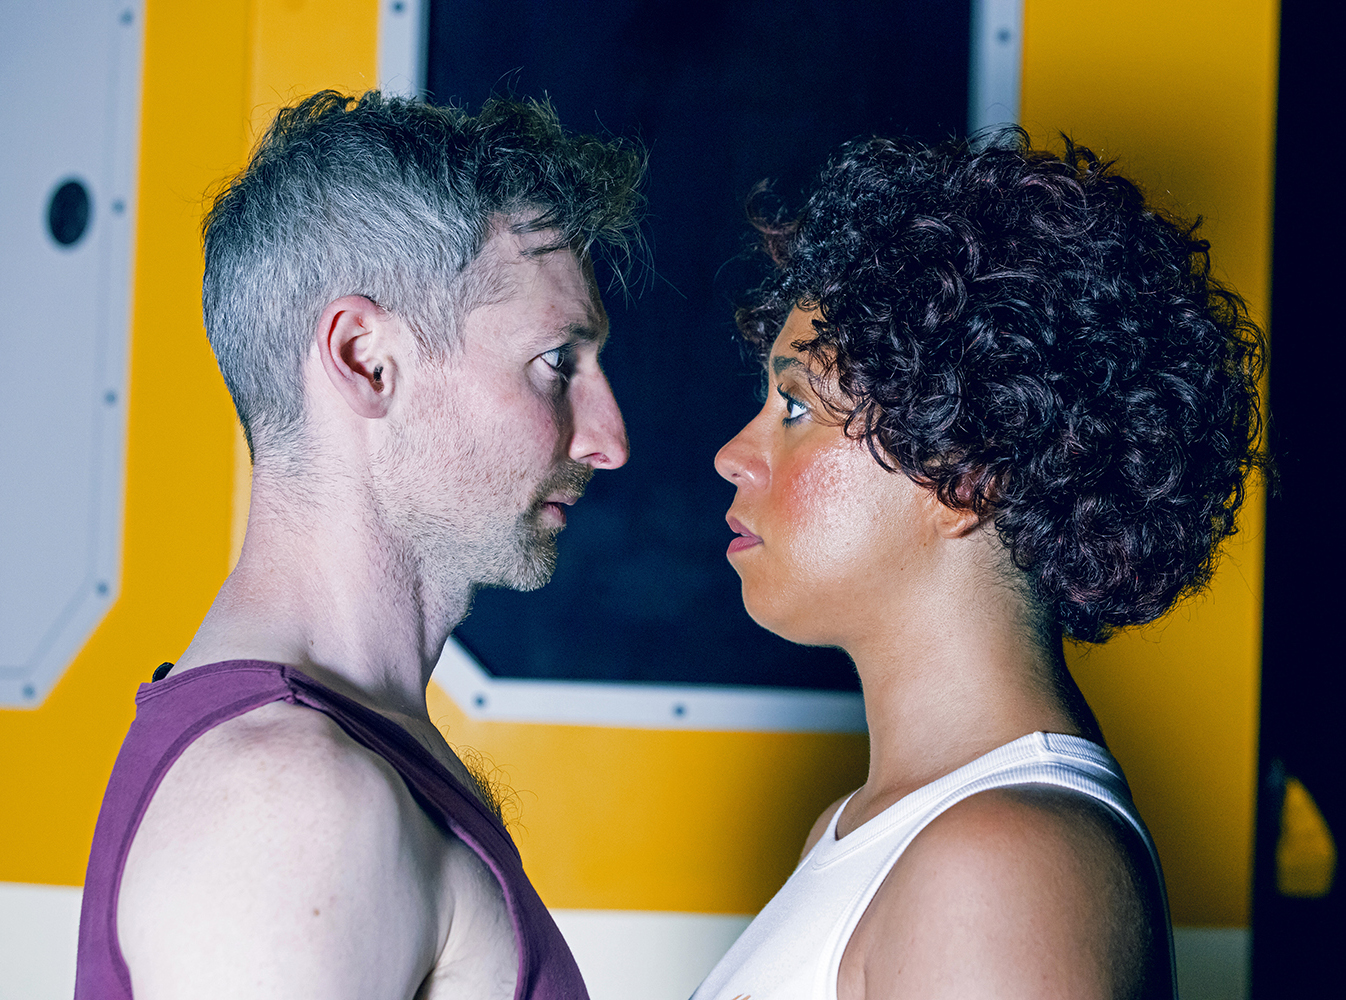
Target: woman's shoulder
(821,824)
(1039,890)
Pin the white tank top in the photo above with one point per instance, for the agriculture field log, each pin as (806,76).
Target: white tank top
(793,949)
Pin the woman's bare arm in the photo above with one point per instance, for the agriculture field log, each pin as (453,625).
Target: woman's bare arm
(1011,893)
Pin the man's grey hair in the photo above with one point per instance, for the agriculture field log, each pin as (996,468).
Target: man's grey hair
(392,199)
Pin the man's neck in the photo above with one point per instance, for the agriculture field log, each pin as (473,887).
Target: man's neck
(336,595)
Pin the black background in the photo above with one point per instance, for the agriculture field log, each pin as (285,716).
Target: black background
(723,96)
(1298,943)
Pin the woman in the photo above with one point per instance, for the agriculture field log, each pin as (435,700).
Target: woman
(1006,403)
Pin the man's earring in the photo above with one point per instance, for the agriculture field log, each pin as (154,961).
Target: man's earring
(378,377)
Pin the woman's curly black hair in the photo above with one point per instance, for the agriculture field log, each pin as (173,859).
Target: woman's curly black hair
(1023,334)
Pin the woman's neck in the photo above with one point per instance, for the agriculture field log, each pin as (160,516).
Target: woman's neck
(963,675)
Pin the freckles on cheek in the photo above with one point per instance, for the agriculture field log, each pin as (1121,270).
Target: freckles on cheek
(798,496)
(810,506)
(830,508)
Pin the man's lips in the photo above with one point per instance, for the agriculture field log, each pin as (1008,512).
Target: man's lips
(556,505)
(745,540)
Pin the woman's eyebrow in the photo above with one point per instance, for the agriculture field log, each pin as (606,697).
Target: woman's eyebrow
(780,363)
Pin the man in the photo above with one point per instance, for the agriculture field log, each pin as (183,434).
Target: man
(402,304)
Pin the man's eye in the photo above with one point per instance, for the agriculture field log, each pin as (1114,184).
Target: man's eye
(558,359)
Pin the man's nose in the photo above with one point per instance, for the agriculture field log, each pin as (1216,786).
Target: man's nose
(599,440)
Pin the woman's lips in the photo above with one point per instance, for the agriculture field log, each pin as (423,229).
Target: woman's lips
(745,540)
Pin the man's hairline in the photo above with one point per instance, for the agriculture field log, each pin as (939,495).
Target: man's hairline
(501,292)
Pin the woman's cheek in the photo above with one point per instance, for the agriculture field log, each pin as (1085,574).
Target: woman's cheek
(817,508)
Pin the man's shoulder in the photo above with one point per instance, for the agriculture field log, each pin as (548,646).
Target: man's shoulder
(289,756)
(277,825)
(280,776)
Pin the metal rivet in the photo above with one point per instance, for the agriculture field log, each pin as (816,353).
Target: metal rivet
(28,691)
(679,709)
(102,587)
(1003,36)
(118,206)
(127,16)
(479,701)
(110,397)
(399,7)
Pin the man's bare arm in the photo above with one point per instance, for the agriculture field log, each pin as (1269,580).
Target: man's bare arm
(280,859)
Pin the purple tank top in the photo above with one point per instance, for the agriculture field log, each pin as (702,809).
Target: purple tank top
(171,713)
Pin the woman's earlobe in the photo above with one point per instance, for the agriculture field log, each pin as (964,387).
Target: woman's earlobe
(956,522)
(972,497)
(965,522)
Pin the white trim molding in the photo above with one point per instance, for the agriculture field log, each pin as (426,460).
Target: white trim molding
(650,955)
(39,933)
(995,64)
(402,46)
(1212,962)
(643,706)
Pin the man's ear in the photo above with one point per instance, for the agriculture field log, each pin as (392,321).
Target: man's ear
(358,344)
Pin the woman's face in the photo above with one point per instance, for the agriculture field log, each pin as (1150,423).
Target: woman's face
(827,538)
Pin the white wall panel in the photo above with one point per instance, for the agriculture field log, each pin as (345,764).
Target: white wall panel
(995,64)
(70,72)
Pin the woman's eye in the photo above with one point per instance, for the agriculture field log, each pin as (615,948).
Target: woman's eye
(794,409)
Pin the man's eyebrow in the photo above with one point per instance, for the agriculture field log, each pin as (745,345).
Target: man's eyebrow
(583,333)
(781,362)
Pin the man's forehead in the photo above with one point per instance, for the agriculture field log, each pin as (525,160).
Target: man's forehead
(550,291)
(519,257)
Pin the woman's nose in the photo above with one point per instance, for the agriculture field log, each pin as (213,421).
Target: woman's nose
(739,460)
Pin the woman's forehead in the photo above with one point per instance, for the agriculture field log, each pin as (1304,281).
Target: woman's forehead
(798,327)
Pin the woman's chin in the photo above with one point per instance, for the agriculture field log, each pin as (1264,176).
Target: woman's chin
(758,611)
(797,625)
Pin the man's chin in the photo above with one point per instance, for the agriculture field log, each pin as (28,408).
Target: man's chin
(531,569)
(536,579)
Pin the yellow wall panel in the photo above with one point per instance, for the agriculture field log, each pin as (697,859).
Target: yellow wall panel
(199,83)
(301,46)
(1183,95)
(640,819)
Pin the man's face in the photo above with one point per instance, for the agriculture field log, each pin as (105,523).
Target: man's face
(503,435)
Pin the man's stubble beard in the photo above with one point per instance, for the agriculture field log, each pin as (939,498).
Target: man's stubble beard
(446,489)
(533,557)
(470,545)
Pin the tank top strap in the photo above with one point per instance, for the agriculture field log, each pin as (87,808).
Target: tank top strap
(434,786)
(546,967)
(174,712)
